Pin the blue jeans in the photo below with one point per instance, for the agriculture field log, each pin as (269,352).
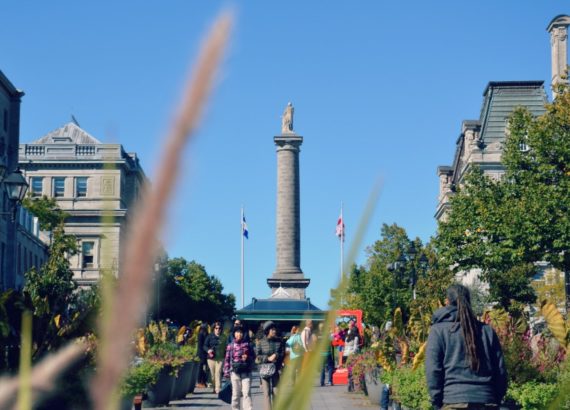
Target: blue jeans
(385,397)
(327,364)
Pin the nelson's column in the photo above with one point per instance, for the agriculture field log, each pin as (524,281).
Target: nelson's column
(288,280)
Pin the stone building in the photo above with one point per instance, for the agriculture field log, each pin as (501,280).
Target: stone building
(95,183)
(20,246)
(480,142)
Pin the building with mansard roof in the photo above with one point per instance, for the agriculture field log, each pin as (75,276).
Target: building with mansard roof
(95,183)
(480,142)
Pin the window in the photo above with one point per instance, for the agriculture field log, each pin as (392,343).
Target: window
(37,186)
(81,187)
(87,254)
(58,187)
(5,120)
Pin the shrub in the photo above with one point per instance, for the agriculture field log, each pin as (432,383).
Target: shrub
(140,377)
(409,387)
(532,395)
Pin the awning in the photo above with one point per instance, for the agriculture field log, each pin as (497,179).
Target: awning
(277,309)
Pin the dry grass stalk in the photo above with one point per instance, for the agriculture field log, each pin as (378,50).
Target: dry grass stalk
(43,377)
(134,282)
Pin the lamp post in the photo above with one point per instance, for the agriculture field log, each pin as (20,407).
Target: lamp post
(408,258)
(15,186)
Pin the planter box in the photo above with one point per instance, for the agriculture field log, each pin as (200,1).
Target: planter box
(194,378)
(373,386)
(182,382)
(160,392)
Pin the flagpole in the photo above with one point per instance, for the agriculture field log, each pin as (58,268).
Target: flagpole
(341,245)
(242,259)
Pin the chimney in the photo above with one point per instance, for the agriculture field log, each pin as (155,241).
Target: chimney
(558,29)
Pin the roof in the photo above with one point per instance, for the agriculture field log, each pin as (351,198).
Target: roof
(70,133)
(500,100)
(280,309)
(9,87)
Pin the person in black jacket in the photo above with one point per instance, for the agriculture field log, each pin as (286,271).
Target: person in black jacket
(215,348)
(465,367)
(202,374)
(269,349)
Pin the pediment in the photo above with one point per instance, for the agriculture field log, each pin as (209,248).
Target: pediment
(70,133)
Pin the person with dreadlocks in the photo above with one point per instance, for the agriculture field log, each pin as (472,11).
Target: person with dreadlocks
(465,367)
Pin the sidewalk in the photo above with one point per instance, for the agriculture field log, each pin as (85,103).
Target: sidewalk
(323,398)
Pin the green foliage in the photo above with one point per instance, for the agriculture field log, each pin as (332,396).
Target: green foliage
(188,293)
(409,387)
(376,289)
(49,214)
(140,377)
(505,226)
(532,395)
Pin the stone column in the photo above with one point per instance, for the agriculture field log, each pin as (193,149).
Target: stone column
(558,29)
(288,255)
(288,280)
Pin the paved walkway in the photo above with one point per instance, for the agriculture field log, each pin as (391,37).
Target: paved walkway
(323,398)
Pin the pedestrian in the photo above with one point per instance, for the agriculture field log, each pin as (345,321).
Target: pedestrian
(215,347)
(296,351)
(202,355)
(306,335)
(326,354)
(465,367)
(238,364)
(338,342)
(269,350)
(351,344)
(238,323)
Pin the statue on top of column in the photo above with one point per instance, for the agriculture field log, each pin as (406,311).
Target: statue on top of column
(287,120)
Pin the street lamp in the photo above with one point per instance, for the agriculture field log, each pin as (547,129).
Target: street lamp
(16,187)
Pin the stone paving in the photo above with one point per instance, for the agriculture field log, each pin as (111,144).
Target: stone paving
(324,398)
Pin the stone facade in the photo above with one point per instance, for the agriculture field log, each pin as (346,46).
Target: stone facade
(20,246)
(95,183)
(558,29)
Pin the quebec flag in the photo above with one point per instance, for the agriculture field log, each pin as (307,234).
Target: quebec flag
(244,228)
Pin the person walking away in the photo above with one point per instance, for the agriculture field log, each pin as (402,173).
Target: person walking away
(296,351)
(238,364)
(215,347)
(351,343)
(202,355)
(269,350)
(326,354)
(465,367)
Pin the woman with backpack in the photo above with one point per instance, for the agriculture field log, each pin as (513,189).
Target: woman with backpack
(465,367)
(238,364)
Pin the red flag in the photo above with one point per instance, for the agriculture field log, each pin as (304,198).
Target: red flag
(340,227)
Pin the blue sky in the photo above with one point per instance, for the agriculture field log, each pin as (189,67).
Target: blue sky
(379,88)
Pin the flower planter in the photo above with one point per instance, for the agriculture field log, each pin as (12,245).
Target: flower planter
(182,382)
(126,403)
(373,386)
(160,392)
(194,377)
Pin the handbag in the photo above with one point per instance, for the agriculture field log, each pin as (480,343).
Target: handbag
(240,367)
(225,393)
(267,370)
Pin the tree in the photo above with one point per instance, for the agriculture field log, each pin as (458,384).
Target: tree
(503,227)
(189,293)
(60,311)
(376,289)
